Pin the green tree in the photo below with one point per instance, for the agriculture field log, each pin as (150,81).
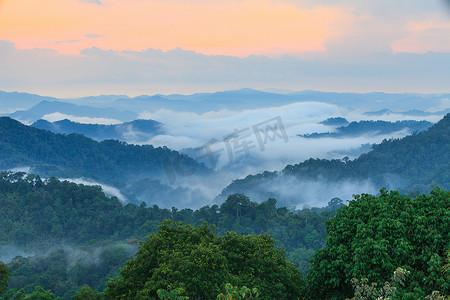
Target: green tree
(236,293)
(371,236)
(201,262)
(172,295)
(4,274)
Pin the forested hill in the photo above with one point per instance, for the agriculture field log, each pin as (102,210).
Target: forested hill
(414,163)
(355,129)
(50,154)
(137,131)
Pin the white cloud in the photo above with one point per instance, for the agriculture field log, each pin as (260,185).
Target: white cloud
(107,189)
(57,116)
(151,71)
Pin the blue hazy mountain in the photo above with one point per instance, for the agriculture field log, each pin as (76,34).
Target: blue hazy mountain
(338,121)
(374,103)
(204,102)
(137,131)
(12,101)
(355,129)
(43,108)
(412,112)
(252,99)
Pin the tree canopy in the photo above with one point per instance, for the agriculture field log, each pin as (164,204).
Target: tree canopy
(372,236)
(201,262)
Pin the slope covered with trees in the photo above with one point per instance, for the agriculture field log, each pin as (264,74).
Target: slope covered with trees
(370,238)
(74,154)
(138,131)
(373,236)
(58,220)
(355,129)
(417,162)
(108,162)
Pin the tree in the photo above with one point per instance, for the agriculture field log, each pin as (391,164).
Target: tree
(4,274)
(86,293)
(201,262)
(236,293)
(372,236)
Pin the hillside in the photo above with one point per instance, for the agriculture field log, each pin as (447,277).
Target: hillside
(414,163)
(44,108)
(355,129)
(74,155)
(139,131)
(76,235)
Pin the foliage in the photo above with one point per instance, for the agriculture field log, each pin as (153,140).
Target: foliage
(446,267)
(199,261)
(86,293)
(4,274)
(174,294)
(46,214)
(38,294)
(74,155)
(373,235)
(234,293)
(365,291)
(66,270)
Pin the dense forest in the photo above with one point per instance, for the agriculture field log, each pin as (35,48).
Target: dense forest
(61,239)
(415,163)
(368,240)
(76,155)
(112,162)
(66,218)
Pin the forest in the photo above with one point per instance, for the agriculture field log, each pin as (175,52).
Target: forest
(65,240)
(414,164)
(100,248)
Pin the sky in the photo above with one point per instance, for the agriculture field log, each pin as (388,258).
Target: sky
(72,48)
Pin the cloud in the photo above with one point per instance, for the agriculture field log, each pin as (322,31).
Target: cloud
(53,117)
(424,36)
(97,71)
(188,132)
(107,189)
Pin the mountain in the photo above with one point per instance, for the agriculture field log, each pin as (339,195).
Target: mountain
(51,107)
(138,131)
(253,99)
(417,162)
(109,162)
(12,101)
(411,112)
(204,102)
(355,129)
(374,103)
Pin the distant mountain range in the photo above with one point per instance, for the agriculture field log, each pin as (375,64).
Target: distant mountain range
(125,109)
(46,108)
(138,131)
(412,112)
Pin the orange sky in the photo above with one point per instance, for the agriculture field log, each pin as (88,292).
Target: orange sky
(211,27)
